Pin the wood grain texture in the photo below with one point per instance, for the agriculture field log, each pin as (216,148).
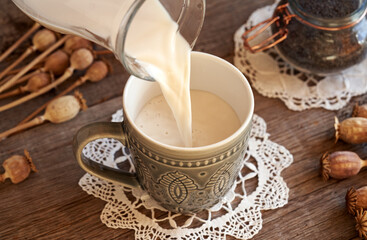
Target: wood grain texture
(51,205)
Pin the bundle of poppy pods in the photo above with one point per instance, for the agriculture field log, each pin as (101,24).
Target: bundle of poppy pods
(59,57)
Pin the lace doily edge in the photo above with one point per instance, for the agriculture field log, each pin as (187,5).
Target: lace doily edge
(140,229)
(315,103)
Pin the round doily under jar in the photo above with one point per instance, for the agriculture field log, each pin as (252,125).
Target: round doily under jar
(273,77)
(258,187)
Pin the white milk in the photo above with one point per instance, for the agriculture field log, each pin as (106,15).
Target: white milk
(213,120)
(170,53)
(152,38)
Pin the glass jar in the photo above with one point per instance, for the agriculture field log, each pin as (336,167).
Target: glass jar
(108,23)
(321,37)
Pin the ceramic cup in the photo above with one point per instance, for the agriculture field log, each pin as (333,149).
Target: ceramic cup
(180,179)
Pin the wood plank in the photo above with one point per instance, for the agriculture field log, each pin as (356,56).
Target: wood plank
(51,198)
(51,205)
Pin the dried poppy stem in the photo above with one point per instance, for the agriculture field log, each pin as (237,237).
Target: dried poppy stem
(10,94)
(25,78)
(19,41)
(15,71)
(41,41)
(56,63)
(20,80)
(96,72)
(5,80)
(16,62)
(80,60)
(9,83)
(60,110)
(36,121)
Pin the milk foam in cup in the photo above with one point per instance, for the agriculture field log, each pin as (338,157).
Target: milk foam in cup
(213,120)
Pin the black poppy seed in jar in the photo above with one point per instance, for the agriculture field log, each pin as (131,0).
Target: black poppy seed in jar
(323,51)
(329,8)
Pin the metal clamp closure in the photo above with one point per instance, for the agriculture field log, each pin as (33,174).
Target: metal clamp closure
(281,19)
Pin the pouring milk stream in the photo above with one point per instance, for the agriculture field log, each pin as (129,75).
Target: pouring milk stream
(169,58)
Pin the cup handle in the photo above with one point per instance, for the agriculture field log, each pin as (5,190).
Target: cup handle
(95,131)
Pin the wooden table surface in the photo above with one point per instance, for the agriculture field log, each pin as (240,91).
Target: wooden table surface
(51,205)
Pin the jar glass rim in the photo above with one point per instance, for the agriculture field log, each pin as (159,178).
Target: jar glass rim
(354,17)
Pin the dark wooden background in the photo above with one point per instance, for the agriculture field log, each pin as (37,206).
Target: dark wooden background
(51,205)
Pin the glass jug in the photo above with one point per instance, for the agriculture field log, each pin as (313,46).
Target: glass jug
(108,23)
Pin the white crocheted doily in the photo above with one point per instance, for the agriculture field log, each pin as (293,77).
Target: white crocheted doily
(273,77)
(237,215)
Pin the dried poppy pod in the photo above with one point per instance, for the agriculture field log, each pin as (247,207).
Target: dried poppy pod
(57,111)
(79,60)
(56,63)
(64,108)
(361,222)
(95,73)
(18,168)
(341,164)
(42,40)
(360,111)
(36,82)
(352,130)
(356,199)
(75,42)
(10,82)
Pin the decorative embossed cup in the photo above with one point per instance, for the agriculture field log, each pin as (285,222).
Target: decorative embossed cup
(181,179)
